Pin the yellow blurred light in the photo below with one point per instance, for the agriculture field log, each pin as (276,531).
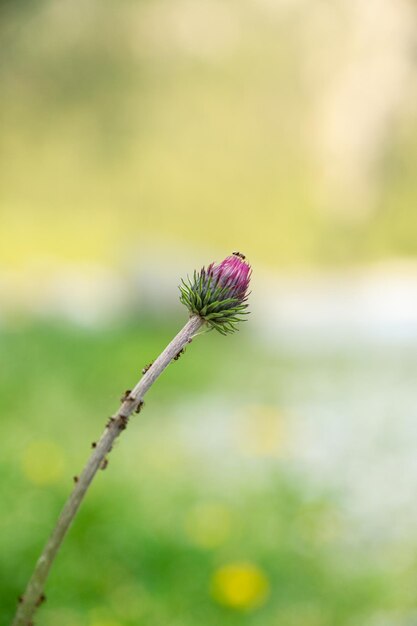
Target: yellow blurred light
(43,462)
(262,432)
(303,615)
(63,617)
(128,601)
(241,586)
(319,524)
(102,617)
(163,457)
(208,525)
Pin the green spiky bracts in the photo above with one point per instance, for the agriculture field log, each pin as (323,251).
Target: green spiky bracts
(219,293)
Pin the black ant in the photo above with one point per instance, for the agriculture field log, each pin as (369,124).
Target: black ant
(123,420)
(41,600)
(177,356)
(240,255)
(126,396)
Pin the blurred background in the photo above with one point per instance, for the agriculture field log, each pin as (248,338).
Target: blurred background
(271,480)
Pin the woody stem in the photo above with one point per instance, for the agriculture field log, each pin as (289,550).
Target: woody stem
(34,595)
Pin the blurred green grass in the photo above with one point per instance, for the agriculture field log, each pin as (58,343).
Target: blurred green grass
(155,531)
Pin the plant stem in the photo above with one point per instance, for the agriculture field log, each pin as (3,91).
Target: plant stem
(34,595)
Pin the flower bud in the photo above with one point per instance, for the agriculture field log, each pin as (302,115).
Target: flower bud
(219,293)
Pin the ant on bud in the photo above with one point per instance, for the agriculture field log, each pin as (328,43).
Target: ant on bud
(240,255)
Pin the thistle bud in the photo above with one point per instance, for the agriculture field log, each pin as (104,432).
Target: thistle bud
(219,293)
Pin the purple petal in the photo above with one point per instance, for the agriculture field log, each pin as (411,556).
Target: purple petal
(233,273)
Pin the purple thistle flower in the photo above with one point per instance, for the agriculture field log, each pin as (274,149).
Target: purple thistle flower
(234,274)
(219,293)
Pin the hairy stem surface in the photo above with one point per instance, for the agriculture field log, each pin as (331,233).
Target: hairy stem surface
(34,595)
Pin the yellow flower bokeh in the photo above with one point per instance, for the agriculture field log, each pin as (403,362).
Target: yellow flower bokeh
(242,586)
(262,432)
(100,617)
(208,525)
(43,462)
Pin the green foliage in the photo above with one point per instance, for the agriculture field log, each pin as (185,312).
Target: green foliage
(142,549)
